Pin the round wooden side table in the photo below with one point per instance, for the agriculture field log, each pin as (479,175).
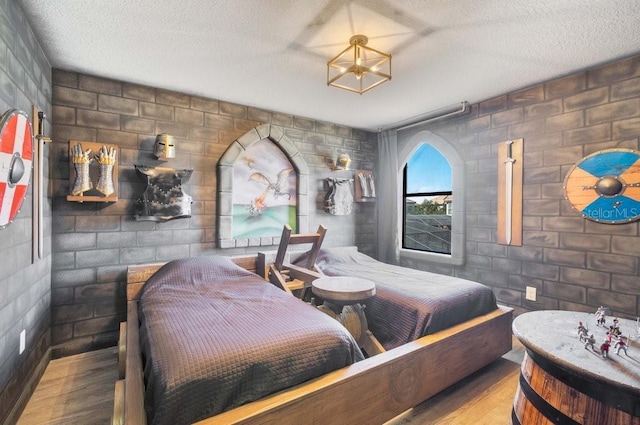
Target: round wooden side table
(566,379)
(339,291)
(343,297)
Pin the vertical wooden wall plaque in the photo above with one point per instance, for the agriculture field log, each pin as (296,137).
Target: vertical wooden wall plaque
(510,192)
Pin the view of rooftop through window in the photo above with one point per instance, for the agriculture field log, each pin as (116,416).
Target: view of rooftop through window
(427,202)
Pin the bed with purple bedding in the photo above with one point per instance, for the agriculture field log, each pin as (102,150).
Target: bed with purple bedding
(408,303)
(215,336)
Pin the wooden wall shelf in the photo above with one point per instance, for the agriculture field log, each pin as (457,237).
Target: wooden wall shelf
(93,195)
(92,198)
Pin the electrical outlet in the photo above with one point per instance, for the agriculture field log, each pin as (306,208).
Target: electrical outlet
(530,294)
(23,341)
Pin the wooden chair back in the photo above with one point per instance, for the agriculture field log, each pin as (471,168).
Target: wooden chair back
(293,278)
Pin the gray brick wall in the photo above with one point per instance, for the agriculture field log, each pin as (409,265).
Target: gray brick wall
(25,287)
(574,263)
(94,242)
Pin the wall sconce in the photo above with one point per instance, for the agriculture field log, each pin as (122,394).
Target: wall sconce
(359,68)
(342,162)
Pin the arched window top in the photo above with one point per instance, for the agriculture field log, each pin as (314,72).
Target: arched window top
(412,144)
(435,177)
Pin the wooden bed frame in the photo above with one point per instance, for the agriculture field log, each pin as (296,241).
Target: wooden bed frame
(371,391)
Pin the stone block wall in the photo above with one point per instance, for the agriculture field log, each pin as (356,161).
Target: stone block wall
(574,263)
(94,242)
(25,283)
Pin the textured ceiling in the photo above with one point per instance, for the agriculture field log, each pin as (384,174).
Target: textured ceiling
(272,54)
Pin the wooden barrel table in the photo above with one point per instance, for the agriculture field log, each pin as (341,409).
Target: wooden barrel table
(562,382)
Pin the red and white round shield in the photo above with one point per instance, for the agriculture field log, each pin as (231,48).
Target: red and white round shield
(16,162)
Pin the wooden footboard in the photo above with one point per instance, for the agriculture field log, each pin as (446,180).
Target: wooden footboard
(371,391)
(379,388)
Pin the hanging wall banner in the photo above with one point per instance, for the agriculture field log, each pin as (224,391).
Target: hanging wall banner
(509,230)
(16,159)
(605,186)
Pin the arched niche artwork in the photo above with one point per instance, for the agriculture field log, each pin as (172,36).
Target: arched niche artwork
(263,184)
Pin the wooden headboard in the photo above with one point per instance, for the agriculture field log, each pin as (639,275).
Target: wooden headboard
(137,275)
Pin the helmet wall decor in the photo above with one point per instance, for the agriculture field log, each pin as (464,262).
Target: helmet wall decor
(165,147)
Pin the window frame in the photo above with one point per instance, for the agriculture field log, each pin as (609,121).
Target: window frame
(408,144)
(406,195)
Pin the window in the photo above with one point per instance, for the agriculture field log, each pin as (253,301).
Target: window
(409,143)
(427,199)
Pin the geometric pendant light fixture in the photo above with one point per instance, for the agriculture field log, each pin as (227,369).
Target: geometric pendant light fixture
(359,68)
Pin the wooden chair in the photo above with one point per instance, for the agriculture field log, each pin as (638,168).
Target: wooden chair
(295,279)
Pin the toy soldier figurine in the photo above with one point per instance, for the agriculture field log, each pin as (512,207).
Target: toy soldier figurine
(600,316)
(614,329)
(590,341)
(621,345)
(604,348)
(582,331)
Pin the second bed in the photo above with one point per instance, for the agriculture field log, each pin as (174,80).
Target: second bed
(408,303)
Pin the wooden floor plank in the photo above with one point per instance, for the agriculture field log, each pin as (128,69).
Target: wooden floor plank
(79,390)
(75,390)
(483,398)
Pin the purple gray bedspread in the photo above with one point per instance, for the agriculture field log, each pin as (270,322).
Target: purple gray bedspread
(215,336)
(408,303)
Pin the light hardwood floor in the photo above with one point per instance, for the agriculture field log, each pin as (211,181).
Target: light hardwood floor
(483,398)
(79,390)
(75,390)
